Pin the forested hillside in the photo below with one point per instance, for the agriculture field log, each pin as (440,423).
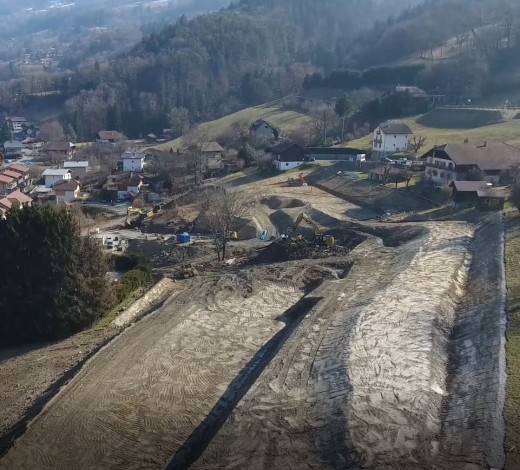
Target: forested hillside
(215,64)
(463,49)
(253,52)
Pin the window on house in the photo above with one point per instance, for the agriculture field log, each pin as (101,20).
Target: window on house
(450,166)
(442,174)
(286,164)
(449,176)
(434,172)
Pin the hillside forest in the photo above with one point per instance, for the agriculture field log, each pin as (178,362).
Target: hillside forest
(199,69)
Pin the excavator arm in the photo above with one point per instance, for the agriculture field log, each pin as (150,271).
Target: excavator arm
(303,217)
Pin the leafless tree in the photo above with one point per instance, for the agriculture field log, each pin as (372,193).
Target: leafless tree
(385,175)
(418,142)
(52,131)
(195,142)
(324,120)
(223,209)
(180,121)
(263,160)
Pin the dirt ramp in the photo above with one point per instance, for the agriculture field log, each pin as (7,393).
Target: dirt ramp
(473,428)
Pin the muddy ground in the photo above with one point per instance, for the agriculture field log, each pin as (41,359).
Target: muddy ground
(371,355)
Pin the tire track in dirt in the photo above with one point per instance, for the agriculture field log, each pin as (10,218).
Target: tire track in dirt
(141,397)
(358,385)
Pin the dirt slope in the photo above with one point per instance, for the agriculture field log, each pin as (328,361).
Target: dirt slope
(141,396)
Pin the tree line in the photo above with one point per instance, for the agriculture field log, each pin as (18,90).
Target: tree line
(53,279)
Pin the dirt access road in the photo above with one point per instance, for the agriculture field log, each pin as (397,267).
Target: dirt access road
(245,371)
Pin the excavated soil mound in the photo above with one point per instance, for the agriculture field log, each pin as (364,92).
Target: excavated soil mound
(279,252)
(166,253)
(280,202)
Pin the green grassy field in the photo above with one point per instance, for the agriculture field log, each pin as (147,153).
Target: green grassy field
(444,118)
(512,409)
(284,119)
(508,131)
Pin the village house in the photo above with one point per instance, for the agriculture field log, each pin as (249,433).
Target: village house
(263,131)
(13,148)
(456,162)
(79,169)
(66,190)
(130,187)
(7,184)
(21,169)
(111,137)
(288,156)
(33,143)
(19,178)
(53,176)
(390,138)
(476,194)
(14,200)
(16,123)
(62,149)
(151,139)
(133,161)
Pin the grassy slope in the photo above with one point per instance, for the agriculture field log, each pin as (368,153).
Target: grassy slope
(277,116)
(512,411)
(508,131)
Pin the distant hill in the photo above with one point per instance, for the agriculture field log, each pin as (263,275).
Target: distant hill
(463,49)
(215,64)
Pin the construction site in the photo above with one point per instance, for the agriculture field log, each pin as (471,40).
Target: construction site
(327,340)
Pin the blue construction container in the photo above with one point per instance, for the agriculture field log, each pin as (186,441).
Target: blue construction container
(183,237)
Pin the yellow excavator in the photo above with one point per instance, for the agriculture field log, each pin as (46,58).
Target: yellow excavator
(319,232)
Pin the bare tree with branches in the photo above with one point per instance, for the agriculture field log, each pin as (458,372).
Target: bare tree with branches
(418,142)
(223,209)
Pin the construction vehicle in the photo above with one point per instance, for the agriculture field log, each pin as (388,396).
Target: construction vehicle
(319,232)
(232,235)
(293,182)
(133,210)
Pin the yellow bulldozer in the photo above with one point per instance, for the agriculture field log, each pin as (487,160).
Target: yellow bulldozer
(319,232)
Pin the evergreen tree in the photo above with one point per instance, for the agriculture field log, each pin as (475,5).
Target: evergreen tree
(5,133)
(53,280)
(343,108)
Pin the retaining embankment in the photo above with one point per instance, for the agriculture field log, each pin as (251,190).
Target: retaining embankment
(157,294)
(473,425)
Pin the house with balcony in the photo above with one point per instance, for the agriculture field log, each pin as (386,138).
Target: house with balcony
(16,123)
(389,138)
(7,184)
(460,162)
(21,169)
